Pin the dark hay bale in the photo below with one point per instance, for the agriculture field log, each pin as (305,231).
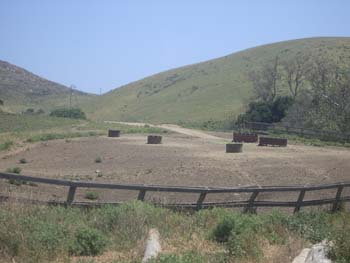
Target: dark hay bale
(113,133)
(234,147)
(154,139)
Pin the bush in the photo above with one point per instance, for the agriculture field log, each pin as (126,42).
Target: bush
(130,222)
(14,170)
(340,238)
(223,229)
(46,238)
(88,242)
(73,113)
(91,195)
(239,232)
(244,244)
(310,225)
(269,112)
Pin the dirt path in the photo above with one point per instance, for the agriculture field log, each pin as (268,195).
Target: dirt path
(176,128)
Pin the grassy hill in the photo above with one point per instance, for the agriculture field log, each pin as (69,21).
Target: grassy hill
(21,89)
(211,90)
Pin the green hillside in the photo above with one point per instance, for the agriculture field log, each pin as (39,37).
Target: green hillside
(215,89)
(21,89)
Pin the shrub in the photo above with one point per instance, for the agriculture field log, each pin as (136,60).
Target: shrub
(88,242)
(73,113)
(244,244)
(98,159)
(310,225)
(222,231)
(91,195)
(130,222)
(239,233)
(6,145)
(14,170)
(340,238)
(45,238)
(267,111)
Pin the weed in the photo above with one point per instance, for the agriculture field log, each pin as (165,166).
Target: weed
(91,195)
(53,234)
(6,145)
(310,225)
(223,229)
(88,242)
(14,170)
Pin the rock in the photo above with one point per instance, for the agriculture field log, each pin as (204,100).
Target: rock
(316,254)
(301,258)
(153,247)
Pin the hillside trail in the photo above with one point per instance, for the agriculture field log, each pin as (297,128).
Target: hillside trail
(178,129)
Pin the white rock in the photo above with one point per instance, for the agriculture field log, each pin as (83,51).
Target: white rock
(316,254)
(301,258)
(153,247)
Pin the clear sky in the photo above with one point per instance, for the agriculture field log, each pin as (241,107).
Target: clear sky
(105,44)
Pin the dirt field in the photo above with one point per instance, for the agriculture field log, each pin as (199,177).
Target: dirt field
(182,160)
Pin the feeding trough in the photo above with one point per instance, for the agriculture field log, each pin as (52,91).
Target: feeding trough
(245,137)
(234,147)
(113,133)
(154,139)
(265,141)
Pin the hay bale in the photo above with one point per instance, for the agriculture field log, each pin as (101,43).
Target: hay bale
(113,133)
(245,137)
(154,139)
(265,141)
(234,147)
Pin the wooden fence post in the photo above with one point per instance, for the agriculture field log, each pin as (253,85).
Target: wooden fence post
(300,200)
(71,194)
(250,205)
(336,204)
(201,200)
(141,195)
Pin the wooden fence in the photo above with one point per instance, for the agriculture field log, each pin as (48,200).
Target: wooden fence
(248,205)
(282,128)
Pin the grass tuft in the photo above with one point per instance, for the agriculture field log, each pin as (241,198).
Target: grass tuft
(91,195)
(6,145)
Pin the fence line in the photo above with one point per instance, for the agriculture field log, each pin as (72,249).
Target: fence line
(262,126)
(248,205)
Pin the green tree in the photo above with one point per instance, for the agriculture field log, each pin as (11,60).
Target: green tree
(74,113)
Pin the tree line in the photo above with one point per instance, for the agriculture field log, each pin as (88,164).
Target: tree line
(305,90)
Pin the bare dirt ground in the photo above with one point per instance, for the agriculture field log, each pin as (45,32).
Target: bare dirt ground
(191,159)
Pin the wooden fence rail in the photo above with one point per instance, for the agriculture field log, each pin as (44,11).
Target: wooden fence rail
(262,126)
(203,192)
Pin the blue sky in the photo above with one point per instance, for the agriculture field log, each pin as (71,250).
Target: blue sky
(105,44)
